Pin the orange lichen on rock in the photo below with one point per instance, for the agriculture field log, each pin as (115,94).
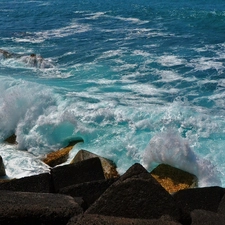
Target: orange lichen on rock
(173,179)
(58,157)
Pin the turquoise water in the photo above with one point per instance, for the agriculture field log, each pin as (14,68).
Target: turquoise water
(138,81)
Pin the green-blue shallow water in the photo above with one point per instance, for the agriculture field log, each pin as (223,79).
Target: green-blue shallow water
(138,81)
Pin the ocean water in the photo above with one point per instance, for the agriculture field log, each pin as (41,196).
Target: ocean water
(138,81)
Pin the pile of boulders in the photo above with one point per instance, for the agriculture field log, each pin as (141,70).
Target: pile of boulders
(89,191)
(80,193)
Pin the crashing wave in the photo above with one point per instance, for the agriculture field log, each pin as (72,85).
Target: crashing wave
(169,148)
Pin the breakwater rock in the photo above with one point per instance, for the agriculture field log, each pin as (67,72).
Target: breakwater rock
(79,193)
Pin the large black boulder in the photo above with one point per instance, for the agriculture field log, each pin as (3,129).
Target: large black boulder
(84,171)
(20,208)
(92,219)
(202,217)
(136,195)
(207,198)
(89,191)
(36,183)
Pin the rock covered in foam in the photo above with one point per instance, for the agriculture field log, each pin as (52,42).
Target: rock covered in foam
(37,61)
(58,157)
(5,54)
(173,179)
(32,60)
(108,166)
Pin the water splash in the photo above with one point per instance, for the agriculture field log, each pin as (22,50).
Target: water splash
(169,148)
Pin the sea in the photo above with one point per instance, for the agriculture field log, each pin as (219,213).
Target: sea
(138,81)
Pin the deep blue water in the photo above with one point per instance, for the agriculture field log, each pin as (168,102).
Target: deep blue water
(138,81)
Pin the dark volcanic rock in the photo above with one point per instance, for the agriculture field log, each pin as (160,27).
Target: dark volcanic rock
(109,168)
(202,217)
(11,139)
(198,198)
(89,191)
(84,171)
(92,219)
(221,208)
(17,208)
(136,196)
(133,171)
(37,183)
(2,168)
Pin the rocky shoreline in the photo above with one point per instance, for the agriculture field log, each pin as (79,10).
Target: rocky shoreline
(80,193)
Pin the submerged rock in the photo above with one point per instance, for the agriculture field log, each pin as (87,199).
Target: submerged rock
(173,179)
(4,54)
(109,168)
(32,60)
(35,60)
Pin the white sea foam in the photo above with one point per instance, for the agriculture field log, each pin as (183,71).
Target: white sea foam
(132,20)
(205,63)
(39,37)
(94,16)
(21,163)
(111,53)
(171,60)
(168,75)
(141,53)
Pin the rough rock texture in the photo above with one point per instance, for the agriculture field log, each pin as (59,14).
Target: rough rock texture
(89,191)
(173,179)
(92,219)
(221,208)
(2,168)
(17,208)
(135,196)
(109,168)
(202,217)
(58,157)
(85,171)
(207,198)
(37,183)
